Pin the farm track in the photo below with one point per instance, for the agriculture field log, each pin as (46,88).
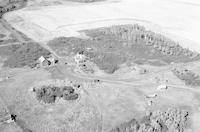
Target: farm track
(135,83)
(13,31)
(21,39)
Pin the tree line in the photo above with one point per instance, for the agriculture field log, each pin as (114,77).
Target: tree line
(12,5)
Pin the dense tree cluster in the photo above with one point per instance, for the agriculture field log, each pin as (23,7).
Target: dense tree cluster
(11,5)
(136,33)
(187,76)
(172,120)
(48,94)
(2,36)
(24,55)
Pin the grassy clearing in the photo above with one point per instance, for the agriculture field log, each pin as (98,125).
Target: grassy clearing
(112,46)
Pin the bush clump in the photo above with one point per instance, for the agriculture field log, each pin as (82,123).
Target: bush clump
(48,94)
(172,120)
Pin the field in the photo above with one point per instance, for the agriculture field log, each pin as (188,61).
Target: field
(101,107)
(111,47)
(22,55)
(16,49)
(143,73)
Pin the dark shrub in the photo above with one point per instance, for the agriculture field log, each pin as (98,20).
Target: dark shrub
(48,94)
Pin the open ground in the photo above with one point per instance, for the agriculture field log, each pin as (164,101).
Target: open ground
(106,100)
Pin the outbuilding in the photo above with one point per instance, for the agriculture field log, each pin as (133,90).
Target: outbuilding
(162,87)
(47,61)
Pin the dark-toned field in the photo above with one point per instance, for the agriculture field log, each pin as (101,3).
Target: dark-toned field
(22,55)
(157,121)
(110,47)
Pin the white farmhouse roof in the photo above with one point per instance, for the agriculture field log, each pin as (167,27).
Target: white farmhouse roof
(41,59)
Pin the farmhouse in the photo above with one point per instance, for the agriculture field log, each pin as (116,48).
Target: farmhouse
(47,61)
(80,58)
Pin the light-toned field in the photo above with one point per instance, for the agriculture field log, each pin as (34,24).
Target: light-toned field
(178,19)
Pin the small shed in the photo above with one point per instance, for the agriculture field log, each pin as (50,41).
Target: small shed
(162,87)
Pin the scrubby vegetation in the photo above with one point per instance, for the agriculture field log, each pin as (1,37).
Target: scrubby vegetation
(10,5)
(48,94)
(22,55)
(172,120)
(6,51)
(112,46)
(187,76)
